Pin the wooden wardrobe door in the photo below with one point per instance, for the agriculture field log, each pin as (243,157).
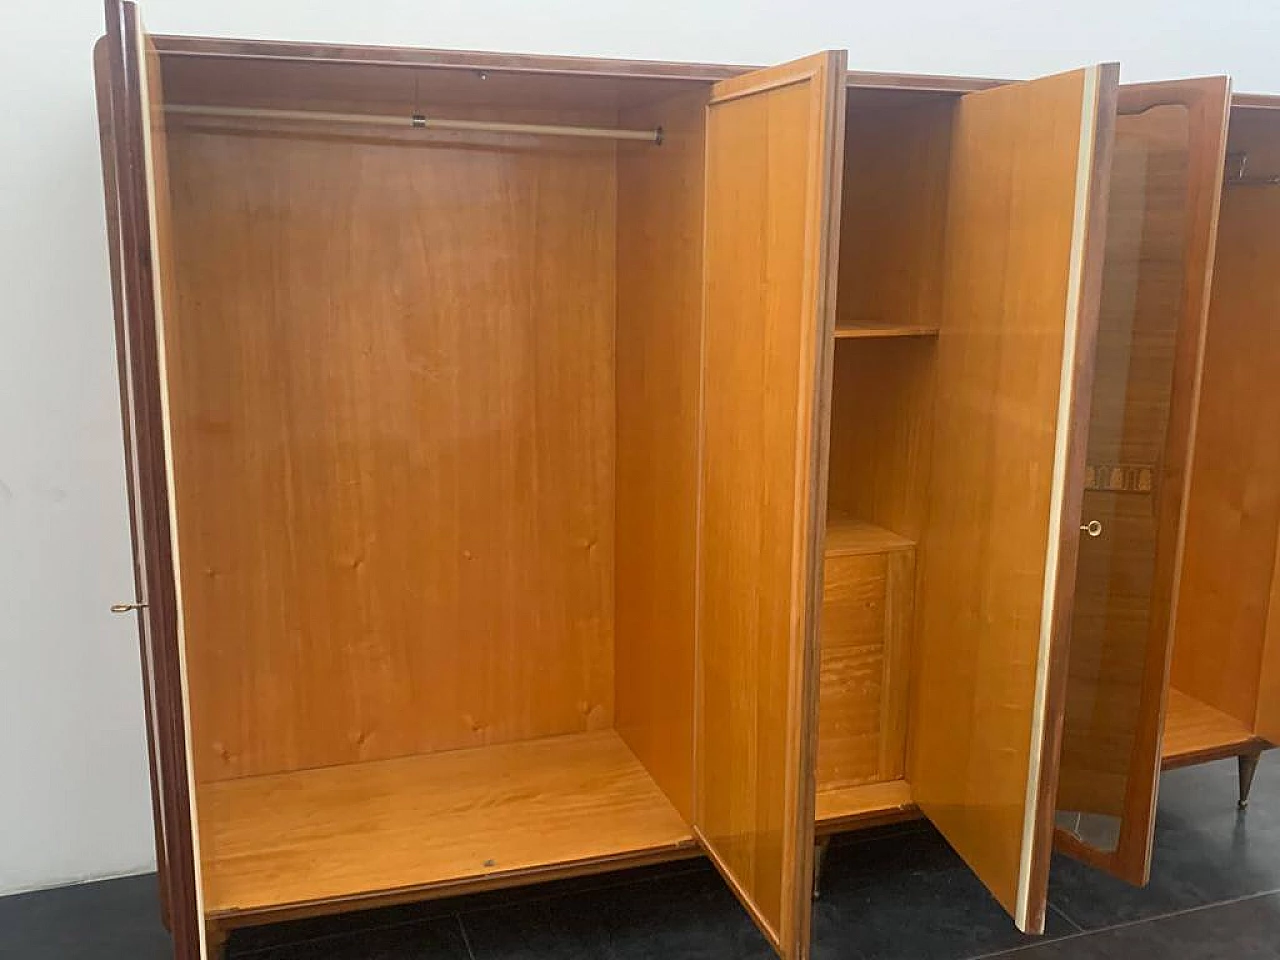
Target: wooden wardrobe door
(133,158)
(772,195)
(1023,250)
(1166,183)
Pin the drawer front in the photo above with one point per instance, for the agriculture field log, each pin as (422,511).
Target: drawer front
(865,621)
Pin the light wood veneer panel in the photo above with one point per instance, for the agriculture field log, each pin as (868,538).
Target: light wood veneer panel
(660,209)
(881,433)
(1233,517)
(865,805)
(393,420)
(771,187)
(848,535)
(1195,731)
(866,623)
(998,549)
(413,823)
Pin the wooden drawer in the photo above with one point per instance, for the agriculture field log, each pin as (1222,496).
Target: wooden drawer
(866,615)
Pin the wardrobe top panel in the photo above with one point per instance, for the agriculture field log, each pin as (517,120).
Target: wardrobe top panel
(1262,101)
(203,70)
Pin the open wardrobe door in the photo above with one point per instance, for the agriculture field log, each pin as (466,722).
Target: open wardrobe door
(1023,252)
(772,188)
(137,211)
(1166,183)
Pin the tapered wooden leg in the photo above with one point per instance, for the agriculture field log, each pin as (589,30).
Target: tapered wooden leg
(1248,766)
(819,858)
(215,937)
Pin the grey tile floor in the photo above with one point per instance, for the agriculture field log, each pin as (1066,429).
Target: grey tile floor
(895,894)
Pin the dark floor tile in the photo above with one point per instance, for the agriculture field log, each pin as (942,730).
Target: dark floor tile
(691,916)
(909,897)
(439,938)
(249,940)
(1206,850)
(107,920)
(1242,930)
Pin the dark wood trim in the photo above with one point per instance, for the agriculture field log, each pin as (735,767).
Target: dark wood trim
(804,829)
(227,49)
(1240,748)
(1257,101)
(866,821)
(920,82)
(1207,104)
(1082,372)
(106,138)
(214,48)
(231,919)
(137,350)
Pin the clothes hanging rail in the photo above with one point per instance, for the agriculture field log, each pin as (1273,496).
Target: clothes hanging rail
(418,121)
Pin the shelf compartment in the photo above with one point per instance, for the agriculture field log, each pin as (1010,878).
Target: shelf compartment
(449,820)
(860,331)
(865,805)
(1195,732)
(847,536)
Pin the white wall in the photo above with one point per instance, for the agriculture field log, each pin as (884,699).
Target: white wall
(73,781)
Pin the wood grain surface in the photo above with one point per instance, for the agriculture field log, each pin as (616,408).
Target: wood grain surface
(1233,516)
(393,409)
(660,209)
(1017,307)
(772,188)
(413,823)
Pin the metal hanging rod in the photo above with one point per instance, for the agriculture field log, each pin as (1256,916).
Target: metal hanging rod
(418,122)
(1237,177)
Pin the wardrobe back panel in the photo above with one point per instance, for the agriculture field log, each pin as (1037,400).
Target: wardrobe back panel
(892,223)
(1233,516)
(393,417)
(660,205)
(894,209)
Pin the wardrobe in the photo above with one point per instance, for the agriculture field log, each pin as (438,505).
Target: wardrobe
(542,466)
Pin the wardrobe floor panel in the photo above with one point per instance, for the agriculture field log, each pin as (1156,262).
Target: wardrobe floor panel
(362,830)
(1195,731)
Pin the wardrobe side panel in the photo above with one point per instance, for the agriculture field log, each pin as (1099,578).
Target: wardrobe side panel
(660,209)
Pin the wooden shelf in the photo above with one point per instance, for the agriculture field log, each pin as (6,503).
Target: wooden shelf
(1195,732)
(857,331)
(865,805)
(444,820)
(848,536)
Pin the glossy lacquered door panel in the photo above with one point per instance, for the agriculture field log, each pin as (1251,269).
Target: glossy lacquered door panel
(772,189)
(1166,184)
(1025,211)
(133,155)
